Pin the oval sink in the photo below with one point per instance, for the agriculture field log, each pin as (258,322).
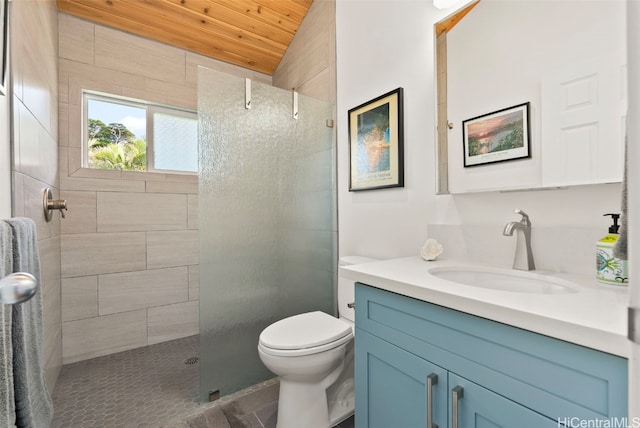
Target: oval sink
(504,279)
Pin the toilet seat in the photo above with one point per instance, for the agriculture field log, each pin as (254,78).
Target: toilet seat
(304,334)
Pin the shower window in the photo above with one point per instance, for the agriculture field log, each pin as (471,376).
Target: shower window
(133,135)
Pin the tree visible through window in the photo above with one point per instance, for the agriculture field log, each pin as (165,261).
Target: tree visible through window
(120,135)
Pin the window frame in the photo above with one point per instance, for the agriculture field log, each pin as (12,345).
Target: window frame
(150,108)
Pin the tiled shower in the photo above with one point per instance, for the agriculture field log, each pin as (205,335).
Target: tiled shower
(121,271)
(129,245)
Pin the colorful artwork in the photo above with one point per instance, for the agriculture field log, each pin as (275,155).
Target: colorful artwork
(375,139)
(498,136)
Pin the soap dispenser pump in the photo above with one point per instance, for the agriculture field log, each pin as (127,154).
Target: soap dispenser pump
(610,269)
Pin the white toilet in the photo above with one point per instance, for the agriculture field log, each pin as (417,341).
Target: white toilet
(312,353)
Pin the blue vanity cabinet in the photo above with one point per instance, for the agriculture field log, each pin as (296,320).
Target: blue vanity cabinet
(477,407)
(509,377)
(396,386)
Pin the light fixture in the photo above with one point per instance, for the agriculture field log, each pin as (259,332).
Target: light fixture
(446,4)
(443,4)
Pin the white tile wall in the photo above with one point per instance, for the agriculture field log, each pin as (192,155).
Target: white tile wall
(79,298)
(309,63)
(172,187)
(49,250)
(37,149)
(76,42)
(194,282)
(116,50)
(33,207)
(53,360)
(143,176)
(120,211)
(173,321)
(35,156)
(72,126)
(94,253)
(107,334)
(172,248)
(81,216)
(128,291)
(192,211)
(106,185)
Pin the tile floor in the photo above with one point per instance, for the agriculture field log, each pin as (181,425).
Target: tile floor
(156,386)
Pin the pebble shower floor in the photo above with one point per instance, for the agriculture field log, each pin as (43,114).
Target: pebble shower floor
(142,387)
(156,387)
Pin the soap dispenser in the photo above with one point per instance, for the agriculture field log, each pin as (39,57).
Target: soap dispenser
(610,269)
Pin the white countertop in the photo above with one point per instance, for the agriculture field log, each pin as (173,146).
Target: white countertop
(595,316)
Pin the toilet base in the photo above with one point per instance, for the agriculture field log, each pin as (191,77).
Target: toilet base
(341,402)
(320,405)
(296,396)
(317,413)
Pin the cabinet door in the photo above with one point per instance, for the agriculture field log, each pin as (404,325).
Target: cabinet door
(478,407)
(391,386)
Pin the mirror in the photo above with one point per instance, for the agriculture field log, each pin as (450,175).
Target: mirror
(566,59)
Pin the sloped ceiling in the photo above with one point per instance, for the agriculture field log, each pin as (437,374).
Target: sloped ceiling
(250,33)
(448,23)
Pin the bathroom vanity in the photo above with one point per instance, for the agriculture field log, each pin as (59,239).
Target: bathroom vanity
(432,352)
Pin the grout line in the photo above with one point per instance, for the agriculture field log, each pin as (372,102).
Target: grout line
(259,420)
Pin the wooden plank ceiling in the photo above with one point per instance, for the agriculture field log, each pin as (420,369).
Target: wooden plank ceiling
(250,33)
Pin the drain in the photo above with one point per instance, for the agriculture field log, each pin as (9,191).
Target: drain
(191,361)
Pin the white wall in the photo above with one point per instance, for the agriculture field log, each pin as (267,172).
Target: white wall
(389,43)
(382,45)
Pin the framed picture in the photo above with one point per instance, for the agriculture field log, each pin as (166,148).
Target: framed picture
(4,44)
(376,143)
(496,137)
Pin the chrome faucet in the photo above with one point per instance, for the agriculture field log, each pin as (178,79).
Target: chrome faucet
(524,256)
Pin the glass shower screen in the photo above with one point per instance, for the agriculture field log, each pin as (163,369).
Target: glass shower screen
(267,218)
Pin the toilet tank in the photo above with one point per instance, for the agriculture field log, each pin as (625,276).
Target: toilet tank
(346,287)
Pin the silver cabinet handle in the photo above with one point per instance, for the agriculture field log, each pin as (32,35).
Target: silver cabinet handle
(351,305)
(456,394)
(432,380)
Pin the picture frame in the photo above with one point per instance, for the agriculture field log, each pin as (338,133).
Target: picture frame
(499,136)
(376,143)
(4,45)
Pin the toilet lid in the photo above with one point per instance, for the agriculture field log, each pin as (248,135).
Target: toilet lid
(306,330)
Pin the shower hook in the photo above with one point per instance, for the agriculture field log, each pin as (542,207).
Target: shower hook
(49,204)
(247,94)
